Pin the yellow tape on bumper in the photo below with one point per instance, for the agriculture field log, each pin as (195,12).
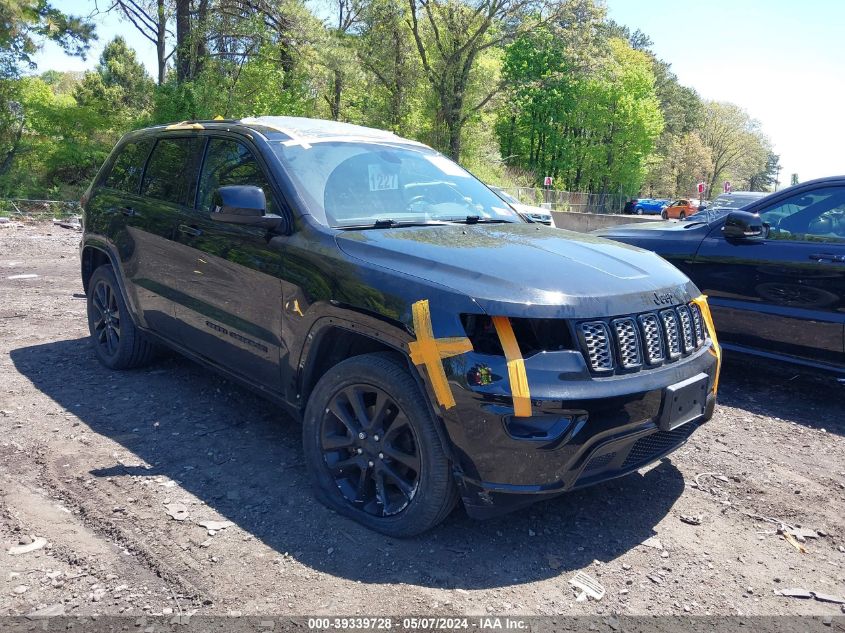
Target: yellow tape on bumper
(516,367)
(716,350)
(429,351)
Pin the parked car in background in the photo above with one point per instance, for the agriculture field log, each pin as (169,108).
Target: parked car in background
(734,200)
(530,212)
(680,209)
(435,347)
(774,271)
(650,206)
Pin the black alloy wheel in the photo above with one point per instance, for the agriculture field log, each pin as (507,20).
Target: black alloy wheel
(117,342)
(106,332)
(371,450)
(372,447)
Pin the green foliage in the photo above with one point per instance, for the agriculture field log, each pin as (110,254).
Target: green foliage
(23,23)
(517,90)
(590,124)
(737,146)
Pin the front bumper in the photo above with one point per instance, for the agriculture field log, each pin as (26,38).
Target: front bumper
(583,430)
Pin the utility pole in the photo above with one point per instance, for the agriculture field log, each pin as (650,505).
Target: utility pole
(777,177)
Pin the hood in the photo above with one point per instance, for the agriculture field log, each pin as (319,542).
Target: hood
(525,269)
(669,226)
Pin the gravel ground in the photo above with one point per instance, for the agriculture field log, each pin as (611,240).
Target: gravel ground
(92,461)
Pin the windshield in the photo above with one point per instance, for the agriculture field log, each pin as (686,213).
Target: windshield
(504,195)
(732,201)
(346,184)
(722,205)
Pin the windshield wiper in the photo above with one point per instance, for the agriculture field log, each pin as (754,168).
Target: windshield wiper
(477,219)
(387,223)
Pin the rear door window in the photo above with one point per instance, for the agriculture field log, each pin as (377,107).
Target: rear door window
(228,162)
(127,168)
(170,171)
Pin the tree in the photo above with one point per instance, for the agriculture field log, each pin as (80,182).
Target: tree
(386,49)
(23,23)
(679,162)
(450,36)
(338,56)
(579,107)
(119,83)
(150,18)
(183,40)
(765,179)
(737,146)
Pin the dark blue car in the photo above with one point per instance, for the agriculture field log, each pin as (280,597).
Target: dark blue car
(774,271)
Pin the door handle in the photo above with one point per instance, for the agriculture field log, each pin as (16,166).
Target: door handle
(128,211)
(190,230)
(827,257)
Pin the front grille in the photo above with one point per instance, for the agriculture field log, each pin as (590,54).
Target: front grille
(670,330)
(597,345)
(648,448)
(649,339)
(652,340)
(698,323)
(599,462)
(628,343)
(687,334)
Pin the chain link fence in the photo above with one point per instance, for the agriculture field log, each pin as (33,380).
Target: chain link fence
(551,199)
(20,208)
(577,202)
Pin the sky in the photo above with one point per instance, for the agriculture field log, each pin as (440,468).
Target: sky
(781,60)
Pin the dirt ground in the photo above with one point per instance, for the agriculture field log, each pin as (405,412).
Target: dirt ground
(91,461)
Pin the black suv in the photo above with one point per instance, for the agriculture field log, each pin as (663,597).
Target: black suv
(433,343)
(774,270)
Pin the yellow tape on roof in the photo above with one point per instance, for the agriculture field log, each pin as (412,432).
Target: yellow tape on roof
(185,125)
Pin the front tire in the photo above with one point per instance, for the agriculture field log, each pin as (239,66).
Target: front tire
(117,342)
(639,211)
(372,449)
(664,215)
(682,215)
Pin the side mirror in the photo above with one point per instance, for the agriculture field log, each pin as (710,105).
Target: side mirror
(741,225)
(243,204)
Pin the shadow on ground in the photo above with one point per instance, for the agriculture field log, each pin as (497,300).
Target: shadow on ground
(240,456)
(781,391)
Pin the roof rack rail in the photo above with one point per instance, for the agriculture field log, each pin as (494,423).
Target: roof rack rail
(197,124)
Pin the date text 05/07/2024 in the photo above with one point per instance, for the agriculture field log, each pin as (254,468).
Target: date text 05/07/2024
(484,623)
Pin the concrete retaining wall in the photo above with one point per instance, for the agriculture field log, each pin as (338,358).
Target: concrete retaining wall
(586,222)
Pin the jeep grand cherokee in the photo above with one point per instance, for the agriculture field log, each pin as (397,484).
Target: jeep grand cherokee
(434,344)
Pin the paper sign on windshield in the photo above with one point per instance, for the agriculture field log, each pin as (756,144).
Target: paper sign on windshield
(382,180)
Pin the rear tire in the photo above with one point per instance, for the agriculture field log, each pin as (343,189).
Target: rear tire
(372,450)
(682,215)
(117,342)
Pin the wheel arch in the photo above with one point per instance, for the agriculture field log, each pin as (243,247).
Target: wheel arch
(334,339)
(94,254)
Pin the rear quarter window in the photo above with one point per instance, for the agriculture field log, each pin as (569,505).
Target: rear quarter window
(125,174)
